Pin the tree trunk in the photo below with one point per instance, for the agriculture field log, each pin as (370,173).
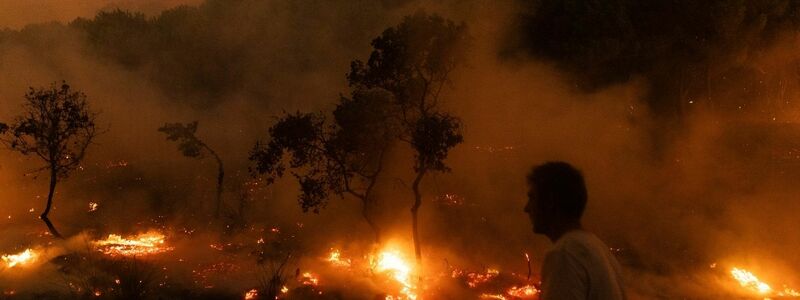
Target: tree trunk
(53,181)
(414,218)
(220,179)
(366,212)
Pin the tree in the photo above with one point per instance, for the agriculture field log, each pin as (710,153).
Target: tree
(193,147)
(414,61)
(57,126)
(343,158)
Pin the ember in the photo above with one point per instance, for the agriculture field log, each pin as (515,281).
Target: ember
(144,244)
(309,278)
(22,258)
(251,294)
(523,292)
(336,259)
(475,279)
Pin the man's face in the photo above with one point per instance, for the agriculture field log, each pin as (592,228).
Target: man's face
(537,211)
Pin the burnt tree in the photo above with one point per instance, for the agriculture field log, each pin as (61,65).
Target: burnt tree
(191,146)
(414,61)
(56,126)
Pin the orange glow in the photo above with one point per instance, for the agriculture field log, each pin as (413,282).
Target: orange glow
(390,262)
(523,292)
(22,258)
(335,258)
(475,279)
(309,278)
(143,244)
(251,294)
(750,281)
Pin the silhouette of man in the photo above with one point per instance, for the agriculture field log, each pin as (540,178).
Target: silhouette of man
(579,265)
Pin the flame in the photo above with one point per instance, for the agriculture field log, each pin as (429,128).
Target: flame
(144,244)
(310,279)
(391,262)
(750,281)
(22,258)
(524,292)
(475,279)
(335,258)
(493,296)
(251,294)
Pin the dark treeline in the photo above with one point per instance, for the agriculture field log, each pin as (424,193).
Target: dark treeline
(198,55)
(709,53)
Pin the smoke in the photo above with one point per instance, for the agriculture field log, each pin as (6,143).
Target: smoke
(718,190)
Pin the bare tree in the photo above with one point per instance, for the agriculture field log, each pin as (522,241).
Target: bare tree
(193,147)
(57,126)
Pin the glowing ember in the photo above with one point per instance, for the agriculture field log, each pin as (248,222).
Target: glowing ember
(475,279)
(143,244)
(493,296)
(392,263)
(251,294)
(310,279)
(92,206)
(335,258)
(284,289)
(524,292)
(22,258)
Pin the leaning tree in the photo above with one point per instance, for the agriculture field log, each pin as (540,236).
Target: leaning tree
(191,146)
(414,61)
(56,126)
(343,158)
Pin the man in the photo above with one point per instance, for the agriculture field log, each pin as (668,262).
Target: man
(579,265)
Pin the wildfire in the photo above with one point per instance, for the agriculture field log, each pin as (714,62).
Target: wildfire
(310,279)
(524,292)
(251,294)
(749,281)
(93,206)
(392,263)
(335,258)
(22,258)
(143,244)
(475,279)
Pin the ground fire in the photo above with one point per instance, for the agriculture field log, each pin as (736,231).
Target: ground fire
(388,150)
(144,244)
(750,282)
(20,259)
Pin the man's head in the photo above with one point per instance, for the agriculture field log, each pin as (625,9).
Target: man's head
(556,197)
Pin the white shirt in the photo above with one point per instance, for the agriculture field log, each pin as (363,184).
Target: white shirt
(580,266)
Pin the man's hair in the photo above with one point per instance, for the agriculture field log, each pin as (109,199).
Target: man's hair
(562,184)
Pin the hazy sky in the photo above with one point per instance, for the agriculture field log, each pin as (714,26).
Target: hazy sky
(17,13)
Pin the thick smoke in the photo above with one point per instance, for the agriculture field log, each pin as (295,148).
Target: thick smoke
(713,188)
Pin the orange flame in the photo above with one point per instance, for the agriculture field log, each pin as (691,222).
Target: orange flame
(22,258)
(392,263)
(144,244)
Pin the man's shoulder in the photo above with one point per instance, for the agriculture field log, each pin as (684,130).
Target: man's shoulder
(579,243)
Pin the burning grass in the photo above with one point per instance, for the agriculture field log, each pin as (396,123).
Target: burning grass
(20,259)
(750,282)
(144,244)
